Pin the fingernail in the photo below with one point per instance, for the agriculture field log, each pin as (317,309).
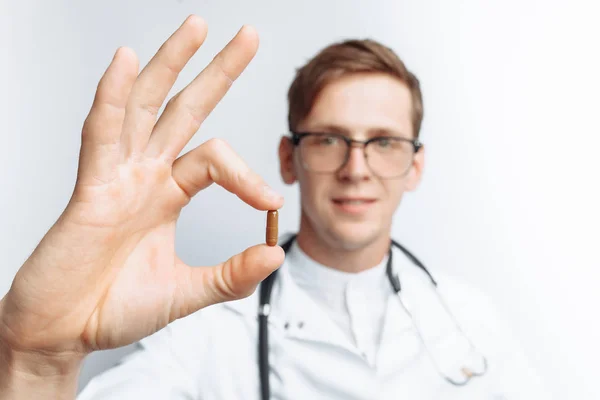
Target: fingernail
(270,193)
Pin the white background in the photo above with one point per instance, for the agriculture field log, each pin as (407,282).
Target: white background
(510,196)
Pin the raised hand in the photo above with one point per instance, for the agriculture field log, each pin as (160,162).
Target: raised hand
(106,274)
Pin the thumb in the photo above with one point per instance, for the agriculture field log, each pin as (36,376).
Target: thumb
(234,279)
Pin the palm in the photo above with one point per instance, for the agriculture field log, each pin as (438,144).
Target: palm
(146,292)
(144,284)
(106,274)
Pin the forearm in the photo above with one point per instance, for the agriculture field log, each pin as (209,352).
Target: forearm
(25,375)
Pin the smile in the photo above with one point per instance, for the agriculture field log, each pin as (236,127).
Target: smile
(353,205)
(352,201)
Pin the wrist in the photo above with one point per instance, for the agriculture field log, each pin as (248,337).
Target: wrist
(29,374)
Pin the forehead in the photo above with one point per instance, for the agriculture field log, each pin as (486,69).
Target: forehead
(360,103)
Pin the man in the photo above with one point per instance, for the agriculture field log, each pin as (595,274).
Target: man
(106,274)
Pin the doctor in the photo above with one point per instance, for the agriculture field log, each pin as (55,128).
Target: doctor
(348,315)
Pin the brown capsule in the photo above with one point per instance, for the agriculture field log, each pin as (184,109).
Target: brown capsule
(272,227)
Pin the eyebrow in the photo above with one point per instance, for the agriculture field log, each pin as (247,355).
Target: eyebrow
(331,128)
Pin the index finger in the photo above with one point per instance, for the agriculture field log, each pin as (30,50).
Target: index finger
(216,162)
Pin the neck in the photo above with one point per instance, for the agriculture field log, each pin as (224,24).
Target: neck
(333,254)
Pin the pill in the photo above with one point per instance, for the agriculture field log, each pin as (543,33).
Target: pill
(272,227)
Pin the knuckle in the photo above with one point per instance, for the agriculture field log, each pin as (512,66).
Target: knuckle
(187,105)
(220,66)
(216,150)
(165,61)
(171,67)
(218,147)
(225,166)
(224,286)
(236,179)
(149,109)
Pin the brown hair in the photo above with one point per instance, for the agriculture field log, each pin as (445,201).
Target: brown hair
(343,58)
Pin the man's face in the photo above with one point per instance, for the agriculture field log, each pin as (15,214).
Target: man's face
(352,207)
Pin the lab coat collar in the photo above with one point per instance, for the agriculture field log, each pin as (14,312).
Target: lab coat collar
(305,320)
(306,271)
(285,290)
(295,315)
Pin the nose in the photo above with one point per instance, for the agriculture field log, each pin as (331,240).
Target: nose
(356,167)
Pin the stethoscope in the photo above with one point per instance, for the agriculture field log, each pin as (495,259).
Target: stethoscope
(264,310)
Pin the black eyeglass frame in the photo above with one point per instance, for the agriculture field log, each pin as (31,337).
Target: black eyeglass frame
(296,138)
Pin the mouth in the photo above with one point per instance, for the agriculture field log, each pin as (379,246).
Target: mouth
(353,205)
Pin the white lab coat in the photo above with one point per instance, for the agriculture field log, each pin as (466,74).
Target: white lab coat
(212,354)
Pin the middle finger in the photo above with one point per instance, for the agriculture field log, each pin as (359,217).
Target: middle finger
(189,108)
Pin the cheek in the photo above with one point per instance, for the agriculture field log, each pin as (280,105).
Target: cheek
(313,190)
(394,191)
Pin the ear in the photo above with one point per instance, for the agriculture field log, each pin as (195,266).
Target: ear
(414,175)
(286,160)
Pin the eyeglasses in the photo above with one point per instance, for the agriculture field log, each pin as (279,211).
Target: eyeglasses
(387,156)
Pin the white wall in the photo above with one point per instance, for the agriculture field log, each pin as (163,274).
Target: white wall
(510,197)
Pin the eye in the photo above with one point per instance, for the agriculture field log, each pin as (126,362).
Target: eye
(328,140)
(384,143)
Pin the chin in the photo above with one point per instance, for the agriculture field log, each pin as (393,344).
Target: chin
(354,237)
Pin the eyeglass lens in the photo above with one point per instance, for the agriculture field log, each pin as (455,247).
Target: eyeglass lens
(387,157)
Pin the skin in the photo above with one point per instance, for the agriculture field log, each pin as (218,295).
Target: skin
(106,274)
(360,106)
